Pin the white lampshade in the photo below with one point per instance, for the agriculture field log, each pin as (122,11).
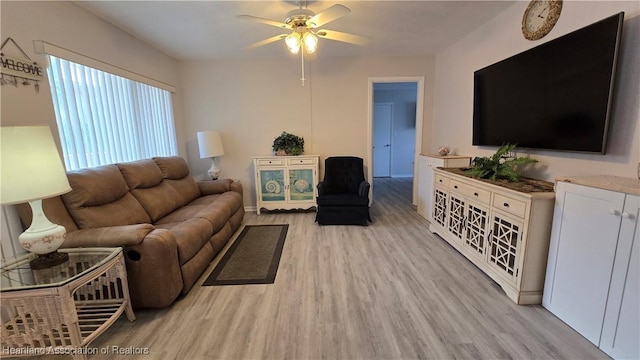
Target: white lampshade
(31,166)
(209,144)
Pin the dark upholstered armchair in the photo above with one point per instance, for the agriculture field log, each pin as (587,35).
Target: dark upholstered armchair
(343,194)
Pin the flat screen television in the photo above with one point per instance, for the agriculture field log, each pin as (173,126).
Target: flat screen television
(555,96)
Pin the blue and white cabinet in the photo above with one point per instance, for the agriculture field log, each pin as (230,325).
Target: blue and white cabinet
(286,182)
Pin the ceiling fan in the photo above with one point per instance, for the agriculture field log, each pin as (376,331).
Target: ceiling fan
(305,29)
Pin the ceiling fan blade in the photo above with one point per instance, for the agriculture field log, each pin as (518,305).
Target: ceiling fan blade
(344,37)
(266,41)
(332,13)
(264,21)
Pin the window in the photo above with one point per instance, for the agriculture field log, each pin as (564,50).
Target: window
(104,118)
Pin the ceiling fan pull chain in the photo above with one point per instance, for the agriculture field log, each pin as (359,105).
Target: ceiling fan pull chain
(302,61)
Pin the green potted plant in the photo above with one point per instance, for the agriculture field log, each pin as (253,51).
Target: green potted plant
(288,144)
(500,165)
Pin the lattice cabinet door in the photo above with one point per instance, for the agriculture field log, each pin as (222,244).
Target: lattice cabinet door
(476,228)
(456,221)
(440,206)
(504,244)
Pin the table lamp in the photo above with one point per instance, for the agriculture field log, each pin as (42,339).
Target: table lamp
(31,170)
(210,146)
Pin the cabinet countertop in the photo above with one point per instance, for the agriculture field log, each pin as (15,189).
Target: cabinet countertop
(282,156)
(606,182)
(527,186)
(446,156)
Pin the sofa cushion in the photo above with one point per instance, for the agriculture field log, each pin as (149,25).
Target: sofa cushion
(343,199)
(175,171)
(215,208)
(191,235)
(172,167)
(230,199)
(100,197)
(141,173)
(216,215)
(146,183)
(159,200)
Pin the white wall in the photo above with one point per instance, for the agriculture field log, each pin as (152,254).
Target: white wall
(501,38)
(252,101)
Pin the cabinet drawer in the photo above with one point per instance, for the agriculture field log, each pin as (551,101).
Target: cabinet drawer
(271,162)
(301,161)
(516,207)
(441,181)
(471,192)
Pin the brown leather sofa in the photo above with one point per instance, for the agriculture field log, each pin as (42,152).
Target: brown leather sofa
(169,225)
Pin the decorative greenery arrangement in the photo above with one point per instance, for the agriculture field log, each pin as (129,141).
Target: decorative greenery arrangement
(500,165)
(289,143)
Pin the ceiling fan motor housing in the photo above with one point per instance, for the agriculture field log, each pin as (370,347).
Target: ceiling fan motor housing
(299,17)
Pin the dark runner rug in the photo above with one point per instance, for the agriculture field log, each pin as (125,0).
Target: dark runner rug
(252,259)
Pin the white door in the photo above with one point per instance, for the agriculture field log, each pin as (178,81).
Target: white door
(581,255)
(382,115)
(621,329)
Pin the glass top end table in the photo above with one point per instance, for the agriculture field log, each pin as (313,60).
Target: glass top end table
(67,305)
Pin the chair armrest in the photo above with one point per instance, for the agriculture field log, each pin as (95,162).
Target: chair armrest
(126,235)
(210,187)
(322,188)
(363,189)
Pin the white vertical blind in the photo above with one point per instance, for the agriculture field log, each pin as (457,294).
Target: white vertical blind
(104,118)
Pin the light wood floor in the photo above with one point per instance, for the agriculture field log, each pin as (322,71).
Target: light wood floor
(391,290)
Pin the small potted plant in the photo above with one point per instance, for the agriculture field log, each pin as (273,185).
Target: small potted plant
(500,165)
(288,144)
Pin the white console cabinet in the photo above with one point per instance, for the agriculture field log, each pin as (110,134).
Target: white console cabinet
(593,274)
(426,164)
(286,182)
(504,232)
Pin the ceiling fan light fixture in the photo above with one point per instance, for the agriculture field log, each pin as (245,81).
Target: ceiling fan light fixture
(310,42)
(293,42)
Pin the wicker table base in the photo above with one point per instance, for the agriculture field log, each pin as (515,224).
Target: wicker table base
(61,310)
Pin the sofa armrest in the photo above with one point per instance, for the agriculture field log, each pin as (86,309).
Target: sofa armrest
(151,255)
(126,235)
(236,186)
(153,270)
(210,187)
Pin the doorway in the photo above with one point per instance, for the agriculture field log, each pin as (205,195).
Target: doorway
(395,129)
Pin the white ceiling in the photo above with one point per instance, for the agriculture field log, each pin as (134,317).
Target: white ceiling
(205,30)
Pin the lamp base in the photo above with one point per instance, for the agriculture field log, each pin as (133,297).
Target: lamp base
(214,171)
(46,261)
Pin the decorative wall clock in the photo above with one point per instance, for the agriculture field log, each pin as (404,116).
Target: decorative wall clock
(540,17)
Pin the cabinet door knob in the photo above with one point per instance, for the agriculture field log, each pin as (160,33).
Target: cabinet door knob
(614,212)
(505,205)
(455,186)
(475,194)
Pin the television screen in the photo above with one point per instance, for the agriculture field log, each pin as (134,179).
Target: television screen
(556,96)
